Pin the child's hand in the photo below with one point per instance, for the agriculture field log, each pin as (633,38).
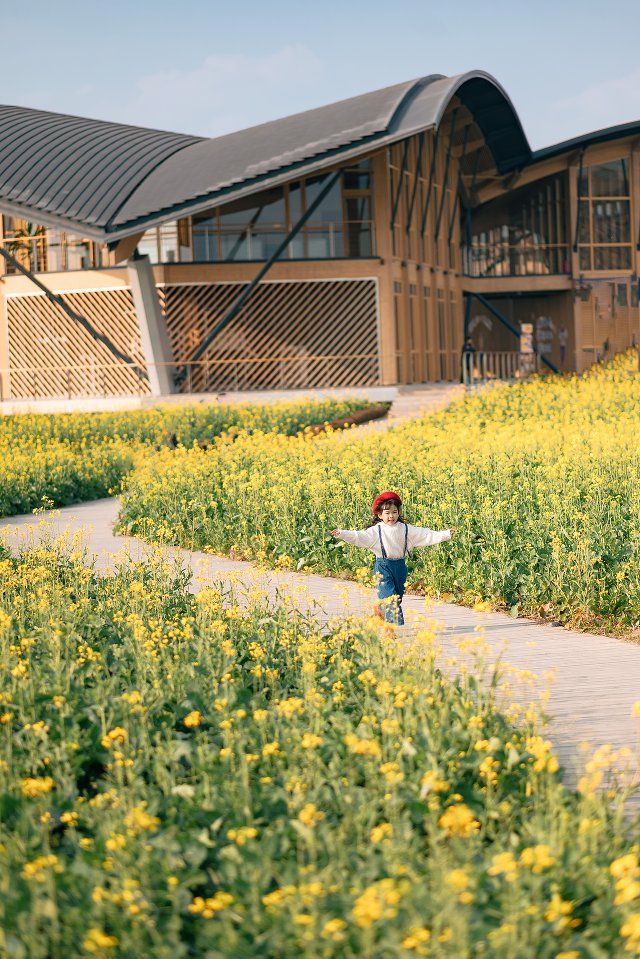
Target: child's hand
(335,532)
(452,530)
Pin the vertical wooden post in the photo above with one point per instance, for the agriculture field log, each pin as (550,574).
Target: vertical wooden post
(384,249)
(5,381)
(634,189)
(578,340)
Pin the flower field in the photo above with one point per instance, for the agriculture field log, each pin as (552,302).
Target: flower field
(188,775)
(541,479)
(68,458)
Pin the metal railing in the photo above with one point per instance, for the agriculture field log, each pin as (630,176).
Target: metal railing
(526,259)
(484,367)
(83,381)
(343,238)
(52,252)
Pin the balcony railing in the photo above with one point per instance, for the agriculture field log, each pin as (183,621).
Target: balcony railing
(483,367)
(47,254)
(300,371)
(497,259)
(317,241)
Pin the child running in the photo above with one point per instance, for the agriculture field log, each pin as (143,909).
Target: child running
(391,538)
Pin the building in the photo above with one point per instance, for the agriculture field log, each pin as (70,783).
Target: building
(356,244)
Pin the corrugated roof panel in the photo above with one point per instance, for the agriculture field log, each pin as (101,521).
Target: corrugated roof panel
(76,168)
(213,164)
(112,179)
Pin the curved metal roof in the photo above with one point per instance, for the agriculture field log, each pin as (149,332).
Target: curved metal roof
(587,139)
(77,170)
(110,180)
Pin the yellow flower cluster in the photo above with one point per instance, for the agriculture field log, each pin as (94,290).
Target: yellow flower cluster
(560,450)
(378,901)
(626,872)
(458,820)
(386,820)
(209,907)
(33,788)
(36,870)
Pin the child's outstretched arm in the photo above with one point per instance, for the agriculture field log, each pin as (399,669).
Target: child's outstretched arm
(357,537)
(421,536)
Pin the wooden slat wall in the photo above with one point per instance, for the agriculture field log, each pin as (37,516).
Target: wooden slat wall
(427,291)
(608,316)
(289,335)
(52,356)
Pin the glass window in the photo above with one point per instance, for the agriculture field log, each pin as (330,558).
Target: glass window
(205,238)
(168,237)
(78,254)
(605,219)
(147,246)
(297,245)
(610,179)
(611,258)
(358,178)
(622,294)
(523,233)
(358,208)
(584,230)
(611,221)
(253,228)
(330,210)
(585,258)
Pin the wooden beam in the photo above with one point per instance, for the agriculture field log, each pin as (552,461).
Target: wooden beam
(123,249)
(419,157)
(472,146)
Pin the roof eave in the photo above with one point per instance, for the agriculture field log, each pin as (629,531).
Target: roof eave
(42,218)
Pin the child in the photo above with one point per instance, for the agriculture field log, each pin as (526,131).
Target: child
(391,539)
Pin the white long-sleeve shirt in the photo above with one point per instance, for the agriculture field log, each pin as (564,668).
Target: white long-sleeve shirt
(393,538)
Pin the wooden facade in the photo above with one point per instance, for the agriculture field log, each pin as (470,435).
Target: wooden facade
(387,300)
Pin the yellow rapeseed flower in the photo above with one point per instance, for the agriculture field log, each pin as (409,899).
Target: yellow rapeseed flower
(192,719)
(33,788)
(458,820)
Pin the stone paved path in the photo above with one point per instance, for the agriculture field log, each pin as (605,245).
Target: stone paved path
(597,679)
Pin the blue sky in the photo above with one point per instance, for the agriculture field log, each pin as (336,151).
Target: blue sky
(212,67)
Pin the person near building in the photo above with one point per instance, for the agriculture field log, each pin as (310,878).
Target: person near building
(391,539)
(468,350)
(563,337)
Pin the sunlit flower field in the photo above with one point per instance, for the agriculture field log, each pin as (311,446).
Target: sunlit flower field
(210,776)
(67,458)
(541,479)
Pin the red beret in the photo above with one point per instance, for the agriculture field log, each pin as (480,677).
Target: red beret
(384,498)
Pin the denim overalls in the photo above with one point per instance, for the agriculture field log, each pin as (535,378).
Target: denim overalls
(392,575)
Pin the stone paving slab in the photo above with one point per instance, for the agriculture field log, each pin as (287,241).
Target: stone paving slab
(596,678)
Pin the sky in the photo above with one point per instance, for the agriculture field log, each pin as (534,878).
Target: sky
(209,68)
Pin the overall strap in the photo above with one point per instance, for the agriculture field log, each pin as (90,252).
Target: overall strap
(383,550)
(406,538)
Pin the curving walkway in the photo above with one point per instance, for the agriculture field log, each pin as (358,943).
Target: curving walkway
(596,678)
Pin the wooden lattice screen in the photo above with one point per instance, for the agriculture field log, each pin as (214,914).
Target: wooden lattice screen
(52,356)
(307,333)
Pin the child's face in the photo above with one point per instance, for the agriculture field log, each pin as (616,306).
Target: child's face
(389,513)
